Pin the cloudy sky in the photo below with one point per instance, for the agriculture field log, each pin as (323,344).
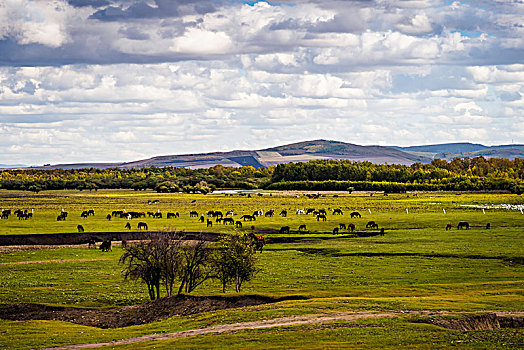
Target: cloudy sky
(120,80)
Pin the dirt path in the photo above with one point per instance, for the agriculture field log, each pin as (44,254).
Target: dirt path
(50,261)
(276,322)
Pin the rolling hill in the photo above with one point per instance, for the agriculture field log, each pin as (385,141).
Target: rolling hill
(312,150)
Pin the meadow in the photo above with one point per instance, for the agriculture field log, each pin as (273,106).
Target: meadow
(416,270)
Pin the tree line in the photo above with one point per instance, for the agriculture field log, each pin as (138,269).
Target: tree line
(475,174)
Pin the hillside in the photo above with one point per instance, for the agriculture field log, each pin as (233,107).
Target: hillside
(312,150)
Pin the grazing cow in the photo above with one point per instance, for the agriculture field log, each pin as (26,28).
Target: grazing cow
(80,228)
(193,213)
(321,216)
(448,226)
(342,226)
(337,211)
(302,228)
(355,214)
(335,231)
(124,243)
(370,224)
(351,227)
(284,229)
(91,243)
(142,225)
(128,226)
(488,226)
(105,246)
(463,224)
(283,213)
(238,224)
(228,221)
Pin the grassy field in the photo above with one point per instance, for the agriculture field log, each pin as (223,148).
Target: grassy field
(416,266)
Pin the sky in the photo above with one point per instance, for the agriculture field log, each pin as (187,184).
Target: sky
(122,80)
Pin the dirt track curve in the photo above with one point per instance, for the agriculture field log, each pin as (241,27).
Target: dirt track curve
(276,322)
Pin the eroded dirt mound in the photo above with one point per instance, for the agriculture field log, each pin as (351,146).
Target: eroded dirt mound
(130,315)
(479,322)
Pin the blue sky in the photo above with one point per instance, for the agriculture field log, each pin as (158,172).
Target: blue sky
(120,80)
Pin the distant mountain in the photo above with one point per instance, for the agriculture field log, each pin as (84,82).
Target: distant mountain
(312,150)
(451,151)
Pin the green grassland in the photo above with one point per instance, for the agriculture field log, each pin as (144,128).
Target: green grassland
(416,265)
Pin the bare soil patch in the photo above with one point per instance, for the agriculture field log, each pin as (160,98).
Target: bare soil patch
(182,305)
(486,321)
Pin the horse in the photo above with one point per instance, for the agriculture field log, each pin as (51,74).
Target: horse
(105,246)
(351,227)
(463,224)
(170,215)
(283,213)
(238,224)
(257,242)
(193,214)
(284,229)
(128,226)
(142,225)
(91,243)
(370,224)
(84,214)
(269,213)
(108,217)
(302,228)
(209,223)
(488,226)
(322,212)
(335,231)
(248,217)
(321,216)
(80,228)
(337,211)
(157,215)
(124,243)
(355,214)
(228,221)
(342,226)
(91,212)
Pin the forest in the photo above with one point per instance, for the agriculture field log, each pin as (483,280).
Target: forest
(475,174)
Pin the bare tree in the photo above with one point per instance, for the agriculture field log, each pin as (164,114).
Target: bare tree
(195,265)
(141,262)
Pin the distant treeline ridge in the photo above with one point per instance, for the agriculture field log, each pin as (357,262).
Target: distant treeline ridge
(473,174)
